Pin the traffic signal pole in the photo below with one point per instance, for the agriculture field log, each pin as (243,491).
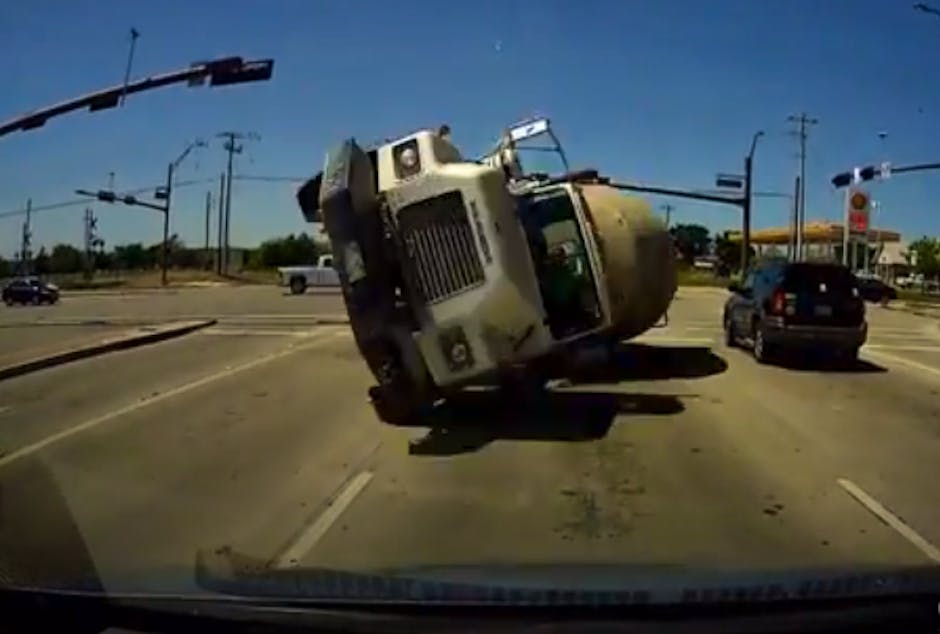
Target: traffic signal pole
(164,260)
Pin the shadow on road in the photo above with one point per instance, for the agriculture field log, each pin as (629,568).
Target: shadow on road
(638,362)
(471,420)
(816,363)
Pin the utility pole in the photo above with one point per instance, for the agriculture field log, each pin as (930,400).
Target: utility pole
(876,204)
(208,262)
(218,253)
(232,148)
(803,120)
(668,209)
(794,220)
(26,239)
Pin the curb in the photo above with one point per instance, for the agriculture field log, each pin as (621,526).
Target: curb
(331,320)
(120,342)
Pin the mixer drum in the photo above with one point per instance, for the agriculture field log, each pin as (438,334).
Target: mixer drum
(638,256)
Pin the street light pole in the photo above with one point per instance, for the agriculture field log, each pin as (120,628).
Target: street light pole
(746,203)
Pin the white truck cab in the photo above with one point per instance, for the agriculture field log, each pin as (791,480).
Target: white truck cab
(299,278)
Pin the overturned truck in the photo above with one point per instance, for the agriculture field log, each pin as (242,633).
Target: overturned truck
(460,272)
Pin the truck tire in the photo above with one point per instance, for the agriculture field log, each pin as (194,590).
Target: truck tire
(393,406)
(298,285)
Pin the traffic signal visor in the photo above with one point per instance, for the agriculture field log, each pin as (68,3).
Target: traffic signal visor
(866,173)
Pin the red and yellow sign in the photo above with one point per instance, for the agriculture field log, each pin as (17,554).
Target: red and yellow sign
(859,205)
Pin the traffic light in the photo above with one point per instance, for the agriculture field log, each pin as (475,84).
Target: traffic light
(234,71)
(842,180)
(866,173)
(106,196)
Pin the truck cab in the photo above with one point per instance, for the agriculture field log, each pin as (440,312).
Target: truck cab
(456,271)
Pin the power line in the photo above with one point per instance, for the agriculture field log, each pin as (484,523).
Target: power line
(270,179)
(84,201)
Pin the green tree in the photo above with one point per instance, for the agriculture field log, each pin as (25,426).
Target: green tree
(728,253)
(925,254)
(132,256)
(6,268)
(41,262)
(691,240)
(288,251)
(66,259)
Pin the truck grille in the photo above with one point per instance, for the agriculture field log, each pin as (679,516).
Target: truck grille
(439,243)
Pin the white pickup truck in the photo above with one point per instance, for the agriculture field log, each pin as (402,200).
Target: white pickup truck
(298,278)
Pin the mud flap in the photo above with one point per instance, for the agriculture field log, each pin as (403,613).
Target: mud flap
(350,210)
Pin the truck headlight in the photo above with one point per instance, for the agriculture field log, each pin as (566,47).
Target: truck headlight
(456,349)
(407,159)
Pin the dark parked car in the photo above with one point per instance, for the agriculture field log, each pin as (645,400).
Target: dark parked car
(874,290)
(29,290)
(805,306)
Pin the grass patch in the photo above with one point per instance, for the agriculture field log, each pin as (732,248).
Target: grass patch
(87,285)
(916,297)
(152,279)
(694,277)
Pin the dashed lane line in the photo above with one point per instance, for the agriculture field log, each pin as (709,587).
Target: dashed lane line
(163,396)
(889,518)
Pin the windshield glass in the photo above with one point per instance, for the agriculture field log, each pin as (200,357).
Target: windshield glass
(214,366)
(811,278)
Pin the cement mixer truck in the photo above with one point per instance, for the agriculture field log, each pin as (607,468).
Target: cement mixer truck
(459,272)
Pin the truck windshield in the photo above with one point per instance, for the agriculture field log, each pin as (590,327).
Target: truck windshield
(561,263)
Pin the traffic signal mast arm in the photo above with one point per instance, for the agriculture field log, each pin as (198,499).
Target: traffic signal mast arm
(221,72)
(111,197)
(678,193)
(870,172)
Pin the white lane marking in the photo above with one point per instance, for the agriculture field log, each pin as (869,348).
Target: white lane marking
(670,339)
(309,538)
(890,519)
(150,400)
(894,346)
(886,356)
(223,331)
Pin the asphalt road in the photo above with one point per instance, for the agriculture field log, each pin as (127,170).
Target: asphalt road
(259,440)
(26,331)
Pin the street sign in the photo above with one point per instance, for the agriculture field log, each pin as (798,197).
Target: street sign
(529,129)
(885,170)
(859,210)
(729,180)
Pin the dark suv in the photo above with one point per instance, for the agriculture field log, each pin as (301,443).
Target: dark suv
(29,290)
(807,306)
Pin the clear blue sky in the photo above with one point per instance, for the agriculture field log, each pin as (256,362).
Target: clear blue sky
(667,91)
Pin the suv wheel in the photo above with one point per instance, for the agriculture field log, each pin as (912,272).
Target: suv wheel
(761,349)
(730,340)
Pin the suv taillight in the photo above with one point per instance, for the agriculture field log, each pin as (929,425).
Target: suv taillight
(778,302)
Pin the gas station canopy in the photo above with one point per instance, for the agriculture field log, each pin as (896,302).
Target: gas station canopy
(818,232)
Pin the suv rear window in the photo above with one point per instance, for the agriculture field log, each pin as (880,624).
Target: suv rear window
(818,278)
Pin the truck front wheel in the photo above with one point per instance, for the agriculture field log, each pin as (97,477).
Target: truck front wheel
(392,406)
(297,285)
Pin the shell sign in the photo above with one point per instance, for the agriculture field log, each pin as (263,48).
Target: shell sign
(859,205)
